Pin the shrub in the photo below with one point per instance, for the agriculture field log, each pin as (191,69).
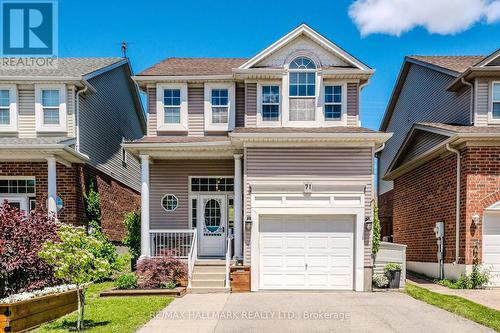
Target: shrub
(126,281)
(170,285)
(380,280)
(157,272)
(74,260)
(392,266)
(376,235)
(21,237)
(132,240)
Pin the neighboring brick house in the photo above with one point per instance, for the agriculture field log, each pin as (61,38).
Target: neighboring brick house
(61,130)
(269,150)
(444,107)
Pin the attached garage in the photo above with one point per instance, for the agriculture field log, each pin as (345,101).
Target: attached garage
(306,252)
(491,245)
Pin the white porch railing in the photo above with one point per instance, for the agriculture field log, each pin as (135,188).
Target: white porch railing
(228,261)
(171,242)
(193,254)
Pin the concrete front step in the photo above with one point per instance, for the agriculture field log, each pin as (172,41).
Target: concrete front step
(208,283)
(210,262)
(209,275)
(209,269)
(214,290)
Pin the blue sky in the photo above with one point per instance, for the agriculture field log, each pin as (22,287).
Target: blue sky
(159,29)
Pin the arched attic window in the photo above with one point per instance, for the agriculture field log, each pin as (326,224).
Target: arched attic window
(302,89)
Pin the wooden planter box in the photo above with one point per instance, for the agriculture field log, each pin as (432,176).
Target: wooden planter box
(240,279)
(24,315)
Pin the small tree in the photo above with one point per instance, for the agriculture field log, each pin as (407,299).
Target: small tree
(74,261)
(132,240)
(376,230)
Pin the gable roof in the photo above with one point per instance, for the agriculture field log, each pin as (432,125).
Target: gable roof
(449,65)
(306,30)
(194,66)
(444,134)
(69,68)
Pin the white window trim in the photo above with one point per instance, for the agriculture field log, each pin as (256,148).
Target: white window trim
(260,121)
(12,126)
(492,120)
(171,210)
(342,121)
(160,111)
(231,117)
(63,123)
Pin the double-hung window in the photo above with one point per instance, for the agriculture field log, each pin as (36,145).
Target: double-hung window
(50,108)
(220,106)
(8,112)
(270,107)
(495,107)
(172,106)
(302,89)
(333,102)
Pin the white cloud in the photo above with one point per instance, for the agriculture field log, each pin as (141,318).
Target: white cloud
(395,17)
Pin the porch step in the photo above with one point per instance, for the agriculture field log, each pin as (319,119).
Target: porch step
(209,276)
(196,283)
(217,275)
(214,290)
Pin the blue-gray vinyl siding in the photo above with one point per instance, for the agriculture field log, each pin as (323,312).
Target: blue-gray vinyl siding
(421,142)
(423,98)
(106,117)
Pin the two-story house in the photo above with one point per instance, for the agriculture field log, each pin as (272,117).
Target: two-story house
(61,130)
(262,159)
(441,168)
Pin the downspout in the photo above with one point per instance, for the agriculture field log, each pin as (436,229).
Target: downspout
(361,86)
(471,86)
(77,116)
(457,204)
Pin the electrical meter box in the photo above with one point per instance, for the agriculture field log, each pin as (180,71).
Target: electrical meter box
(439,229)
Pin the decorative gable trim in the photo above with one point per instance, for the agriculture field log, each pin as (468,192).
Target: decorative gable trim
(315,36)
(492,57)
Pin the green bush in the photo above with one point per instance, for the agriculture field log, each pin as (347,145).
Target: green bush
(170,285)
(392,266)
(376,235)
(132,240)
(126,281)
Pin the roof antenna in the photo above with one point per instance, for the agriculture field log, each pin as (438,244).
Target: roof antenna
(124,49)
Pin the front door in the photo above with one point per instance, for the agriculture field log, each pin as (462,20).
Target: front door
(212,222)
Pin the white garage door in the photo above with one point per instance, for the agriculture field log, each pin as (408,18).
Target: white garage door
(306,252)
(491,246)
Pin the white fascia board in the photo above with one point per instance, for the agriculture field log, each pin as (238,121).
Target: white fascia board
(314,35)
(333,136)
(55,149)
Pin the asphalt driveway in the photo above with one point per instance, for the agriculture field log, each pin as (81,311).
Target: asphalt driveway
(306,312)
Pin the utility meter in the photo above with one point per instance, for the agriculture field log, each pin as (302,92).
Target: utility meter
(439,230)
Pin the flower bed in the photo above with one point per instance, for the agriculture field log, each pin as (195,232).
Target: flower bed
(25,311)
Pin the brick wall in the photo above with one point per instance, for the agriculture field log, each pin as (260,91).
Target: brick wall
(482,169)
(385,207)
(426,195)
(116,198)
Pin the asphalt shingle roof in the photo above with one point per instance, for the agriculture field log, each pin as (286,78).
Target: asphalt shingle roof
(195,66)
(66,67)
(35,141)
(464,128)
(455,63)
(336,129)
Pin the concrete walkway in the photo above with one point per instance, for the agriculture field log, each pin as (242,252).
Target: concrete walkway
(306,312)
(486,297)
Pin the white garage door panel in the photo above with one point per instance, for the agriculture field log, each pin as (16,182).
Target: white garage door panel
(491,246)
(306,252)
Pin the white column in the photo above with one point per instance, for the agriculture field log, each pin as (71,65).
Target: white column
(51,186)
(145,249)
(238,193)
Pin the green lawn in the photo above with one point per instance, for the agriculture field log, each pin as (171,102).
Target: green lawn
(458,305)
(110,314)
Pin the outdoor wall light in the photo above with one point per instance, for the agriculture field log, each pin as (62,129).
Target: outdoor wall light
(248,220)
(476,219)
(368,224)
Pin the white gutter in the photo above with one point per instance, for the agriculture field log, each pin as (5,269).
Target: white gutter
(457,206)
(379,149)
(77,116)
(471,99)
(152,78)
